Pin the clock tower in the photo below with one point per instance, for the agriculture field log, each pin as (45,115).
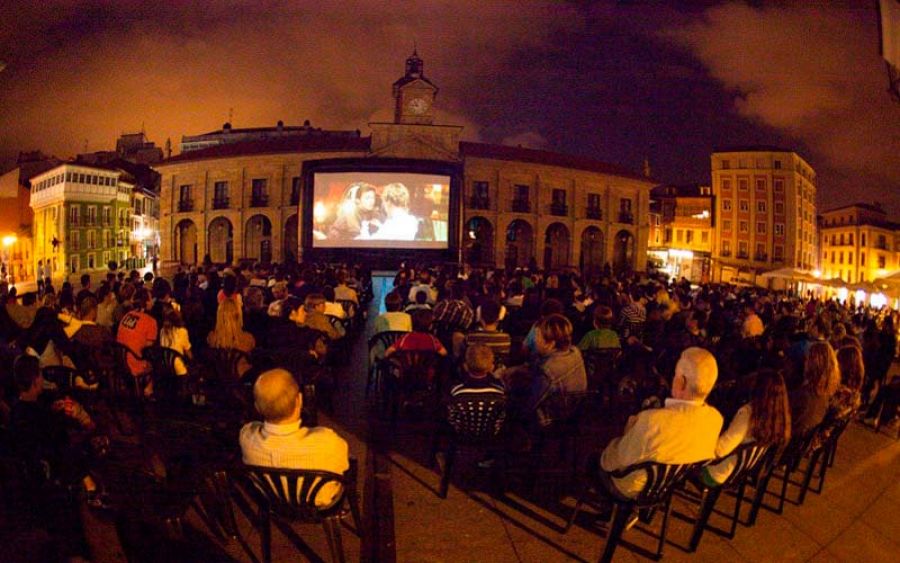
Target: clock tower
(414,95)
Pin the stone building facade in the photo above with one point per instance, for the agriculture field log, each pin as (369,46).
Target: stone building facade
(859,244)
(519,206)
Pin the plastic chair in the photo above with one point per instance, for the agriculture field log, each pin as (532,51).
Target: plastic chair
(166,382)
(750,460)
(290,495)
(475,421)
(796,450)
(410,376)
(602,367)
(378,343)
(561,417)
(662,480)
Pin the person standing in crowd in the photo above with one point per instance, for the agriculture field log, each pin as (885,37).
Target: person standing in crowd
(752,325)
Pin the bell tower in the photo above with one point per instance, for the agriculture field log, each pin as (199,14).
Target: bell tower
(414,94)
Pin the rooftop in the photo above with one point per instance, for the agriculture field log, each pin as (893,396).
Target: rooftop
(751,148)
(274,146)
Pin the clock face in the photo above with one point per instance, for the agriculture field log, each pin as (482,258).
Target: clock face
(418,106)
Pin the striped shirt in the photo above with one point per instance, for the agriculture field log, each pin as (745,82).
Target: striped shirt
(499,342)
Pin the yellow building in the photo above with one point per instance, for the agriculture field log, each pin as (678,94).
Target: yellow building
(858,243)
(681,231)
(16,244)
(240,198)
(765,215)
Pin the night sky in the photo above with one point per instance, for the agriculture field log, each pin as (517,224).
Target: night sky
(616,81)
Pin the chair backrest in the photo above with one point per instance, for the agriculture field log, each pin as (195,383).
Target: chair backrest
(749,459)
(299,494)
(797,448)
(601,365)
(662,479)
(166,382)
(385,338)
(413,363)
(61,376)
(225,362)
(349,307)
(564,407)
(477,416)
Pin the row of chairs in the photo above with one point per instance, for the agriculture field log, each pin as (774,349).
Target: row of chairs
(755,466)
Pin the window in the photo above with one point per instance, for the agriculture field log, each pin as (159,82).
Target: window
(704,237)
(220,191)
(107,241)
(679,235)
(850,241)
(744,205)
(91,240)
(862,260)
(842,239)
(760,250)
(881,262)
(68,176)
(726,247)
(726,164)
(726,184)
(862,239)
(74,241)
(92,215)
(760,228)
(689,236)
(726,225)
(625,205)
(779,228)
(81,178)
(92,258)
(184,192)
(258,187)
(743,251)
(778,252)
(668,235)
(106,257)
(777,165)
(779,208)
(743,184)
(760,185)
(761,206)
(849,257)
(74,263)
(841,258)
(107,215)
(74,215)
(744,227)
(726,205)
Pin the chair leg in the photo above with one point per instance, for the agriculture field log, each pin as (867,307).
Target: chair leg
(333,532)
(621,514)
(578,504)
(665,526)
(707,502)
(807,478)
(737,509)
(265,535)
(784,486)
(448,469)
(353,501)
(762,486)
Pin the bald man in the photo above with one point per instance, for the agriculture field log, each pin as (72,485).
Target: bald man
(685,430)
(280,441)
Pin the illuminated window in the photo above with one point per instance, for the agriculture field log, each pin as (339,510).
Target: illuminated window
(761,206)
(779,228)
(744,205)
(726,205)
(744,226)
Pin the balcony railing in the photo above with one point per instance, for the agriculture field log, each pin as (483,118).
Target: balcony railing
(626,218)
(220,203)
(479,202)
(259,200)
(560,209)
(520,205)
(594,213)
(186,205)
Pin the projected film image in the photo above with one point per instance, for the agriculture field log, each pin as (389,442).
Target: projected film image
(380,210)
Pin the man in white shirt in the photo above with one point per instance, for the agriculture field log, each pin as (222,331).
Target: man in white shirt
(281,441)
(753,325)
(685,430)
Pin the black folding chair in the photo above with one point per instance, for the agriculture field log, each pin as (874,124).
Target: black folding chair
(293,495)
(796,450)
(474,421)
(561,418)
(167,384)
(411,377)
(749,461)
(662,480)
(602,366)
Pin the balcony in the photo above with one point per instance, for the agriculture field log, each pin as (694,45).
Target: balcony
(479,202)
(220,203)
(186,205)
(626,217)
(521,205)
(259,200)
(594,213)
(559,209)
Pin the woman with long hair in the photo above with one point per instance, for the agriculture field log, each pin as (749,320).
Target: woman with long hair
(175,336)
(821,377)
(848,396)
(765,420)
(229,332)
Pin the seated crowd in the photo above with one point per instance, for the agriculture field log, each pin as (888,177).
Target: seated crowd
(795,361)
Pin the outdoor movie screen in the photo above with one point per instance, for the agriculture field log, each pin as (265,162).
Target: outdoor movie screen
(380,210)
